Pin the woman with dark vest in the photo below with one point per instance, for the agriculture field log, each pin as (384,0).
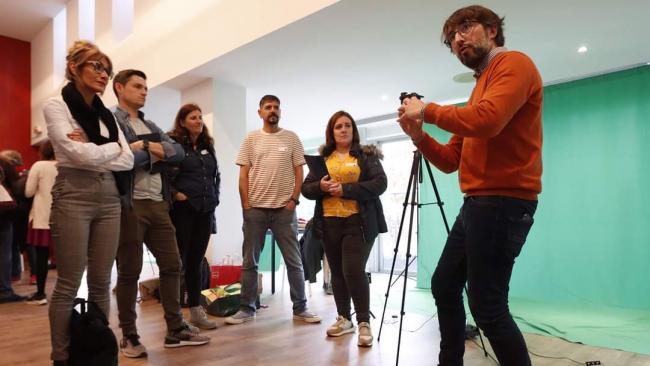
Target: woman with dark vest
(195,188)
(348,217)
(85,215)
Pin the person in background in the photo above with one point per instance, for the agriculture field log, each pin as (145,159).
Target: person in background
(496,147)
(8,177)
(19,216)
(39,185)
(348,216)
(196,195)
(85,216)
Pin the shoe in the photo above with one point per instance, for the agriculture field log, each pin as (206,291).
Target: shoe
(13,297)
(240,316)
(307,317)
(340,327)
(184,337)
(200,319)
(131,347)
(37,299)
(329,290)
(365,335)
(192,328)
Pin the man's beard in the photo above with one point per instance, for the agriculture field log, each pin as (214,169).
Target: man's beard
(273,119)
(474,59)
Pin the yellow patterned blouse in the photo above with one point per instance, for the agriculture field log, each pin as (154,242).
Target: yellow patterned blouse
(342,169)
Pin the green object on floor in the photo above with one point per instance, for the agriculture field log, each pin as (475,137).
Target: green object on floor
(265,257)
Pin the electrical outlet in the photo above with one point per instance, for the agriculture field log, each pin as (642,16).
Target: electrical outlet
(593,363)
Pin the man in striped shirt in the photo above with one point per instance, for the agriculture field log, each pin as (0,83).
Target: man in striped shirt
(270,178)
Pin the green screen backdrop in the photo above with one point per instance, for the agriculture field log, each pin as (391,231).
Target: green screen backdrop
(591,238)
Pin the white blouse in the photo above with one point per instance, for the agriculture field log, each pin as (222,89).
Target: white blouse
(39,184)
(83,155)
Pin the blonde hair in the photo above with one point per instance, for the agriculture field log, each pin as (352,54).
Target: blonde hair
(81,52)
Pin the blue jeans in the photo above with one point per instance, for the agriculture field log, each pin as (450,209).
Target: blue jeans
(284,226)
(6,241)
(481,249)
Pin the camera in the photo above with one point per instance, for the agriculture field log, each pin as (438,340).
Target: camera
(405,95)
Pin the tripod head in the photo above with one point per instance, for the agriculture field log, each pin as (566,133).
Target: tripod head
(405,95)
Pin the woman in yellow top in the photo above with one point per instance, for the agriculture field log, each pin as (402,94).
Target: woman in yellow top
(348,217)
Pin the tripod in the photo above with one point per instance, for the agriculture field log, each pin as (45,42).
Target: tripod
(412,190)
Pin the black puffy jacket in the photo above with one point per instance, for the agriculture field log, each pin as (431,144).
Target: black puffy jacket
(372,183)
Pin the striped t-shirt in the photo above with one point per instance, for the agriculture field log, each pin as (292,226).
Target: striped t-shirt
(272,158)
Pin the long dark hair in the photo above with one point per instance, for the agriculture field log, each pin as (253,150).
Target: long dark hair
(180,133)
(47,151)
(330,142)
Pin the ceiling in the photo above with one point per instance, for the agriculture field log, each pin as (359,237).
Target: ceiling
(358,55)
(23,19)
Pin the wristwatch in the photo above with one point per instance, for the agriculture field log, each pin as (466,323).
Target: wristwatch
(295,200)
(145,145)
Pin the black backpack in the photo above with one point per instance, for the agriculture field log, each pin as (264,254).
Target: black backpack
(92,342)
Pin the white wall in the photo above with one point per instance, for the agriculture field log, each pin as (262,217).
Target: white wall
(171,37)
(230,112)
(161,106)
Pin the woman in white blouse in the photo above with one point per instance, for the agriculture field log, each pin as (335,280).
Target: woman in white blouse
(39,185)
(85,219)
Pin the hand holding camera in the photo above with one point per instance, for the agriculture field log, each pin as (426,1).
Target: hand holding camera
(410,115)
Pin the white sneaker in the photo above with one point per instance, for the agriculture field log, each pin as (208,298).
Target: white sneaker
(131,347)
(307,316)
(341,327)
(239,317)
(365,335)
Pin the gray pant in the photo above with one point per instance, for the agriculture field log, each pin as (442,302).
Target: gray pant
(284,226)
(85,227)
(149,222)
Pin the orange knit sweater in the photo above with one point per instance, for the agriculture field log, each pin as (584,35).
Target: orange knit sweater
(497,137)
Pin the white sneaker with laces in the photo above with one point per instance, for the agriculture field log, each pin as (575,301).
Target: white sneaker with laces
(340,327)
(307,316)
(239,317)
(365,335)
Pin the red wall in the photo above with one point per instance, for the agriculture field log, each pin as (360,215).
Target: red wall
(15,98)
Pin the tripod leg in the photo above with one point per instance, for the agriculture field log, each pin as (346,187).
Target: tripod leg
(412,182)
(414,201)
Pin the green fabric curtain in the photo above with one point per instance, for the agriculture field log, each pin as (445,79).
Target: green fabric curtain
(591,238)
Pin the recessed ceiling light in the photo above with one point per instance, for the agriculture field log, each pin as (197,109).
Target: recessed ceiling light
(464,77)
(384,97)
(582,49)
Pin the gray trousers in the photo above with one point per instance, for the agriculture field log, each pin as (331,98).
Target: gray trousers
(149,222)
(284,226)
(85,227)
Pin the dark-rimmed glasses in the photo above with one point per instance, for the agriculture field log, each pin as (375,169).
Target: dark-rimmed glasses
(99,68)
(462,29)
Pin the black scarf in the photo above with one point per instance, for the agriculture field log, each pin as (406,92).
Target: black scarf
(88,116)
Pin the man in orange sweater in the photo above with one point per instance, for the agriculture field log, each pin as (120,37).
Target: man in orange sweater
(496,147)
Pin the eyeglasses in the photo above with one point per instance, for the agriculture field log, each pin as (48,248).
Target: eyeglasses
(99,68)
(463,29)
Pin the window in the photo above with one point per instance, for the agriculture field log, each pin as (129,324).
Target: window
(398,156)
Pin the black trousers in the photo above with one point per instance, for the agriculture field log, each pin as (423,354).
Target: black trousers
(193,230)
(481,249)
(347,253)
(41,254)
